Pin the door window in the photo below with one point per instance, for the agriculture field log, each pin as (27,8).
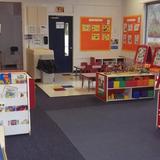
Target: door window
(66,39)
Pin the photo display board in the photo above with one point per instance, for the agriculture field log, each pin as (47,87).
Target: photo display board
(156,58)
(143,55)
(131,32)
(95,33)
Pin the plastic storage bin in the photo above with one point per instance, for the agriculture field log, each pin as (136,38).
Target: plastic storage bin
(47,77)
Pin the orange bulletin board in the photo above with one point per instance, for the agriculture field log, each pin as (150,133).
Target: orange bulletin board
(95,33)
(131,32)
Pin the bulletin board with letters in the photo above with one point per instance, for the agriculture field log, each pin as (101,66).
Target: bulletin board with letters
(131,32)
(95,33)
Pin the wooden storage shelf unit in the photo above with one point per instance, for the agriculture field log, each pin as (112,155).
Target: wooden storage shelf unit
(125,86)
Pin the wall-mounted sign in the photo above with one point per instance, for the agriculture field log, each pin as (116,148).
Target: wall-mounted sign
(59,25)
(60,9)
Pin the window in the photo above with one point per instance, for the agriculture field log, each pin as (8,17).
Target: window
(153,24)
(66,39)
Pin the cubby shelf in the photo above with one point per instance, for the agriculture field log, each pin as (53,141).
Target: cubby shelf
(125,86)
(110,60)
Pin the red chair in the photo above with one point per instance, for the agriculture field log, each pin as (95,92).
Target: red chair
(92,60)
(88,68)
(83,67)
(104,68)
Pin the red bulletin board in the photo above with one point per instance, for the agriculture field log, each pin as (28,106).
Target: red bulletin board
(95,33)
(131,32)
(143,55)
(156,58)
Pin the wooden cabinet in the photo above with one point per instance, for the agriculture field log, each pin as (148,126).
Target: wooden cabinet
(125,86)
(36,18)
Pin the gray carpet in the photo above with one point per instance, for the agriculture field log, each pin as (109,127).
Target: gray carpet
(115,131)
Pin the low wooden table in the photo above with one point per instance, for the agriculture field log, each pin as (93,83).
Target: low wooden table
(89,76)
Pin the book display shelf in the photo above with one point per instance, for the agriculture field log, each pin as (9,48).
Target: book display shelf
(125,86)
(109,61)
(3,155)
(14,103)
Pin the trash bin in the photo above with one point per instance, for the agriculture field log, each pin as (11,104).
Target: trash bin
(47,67)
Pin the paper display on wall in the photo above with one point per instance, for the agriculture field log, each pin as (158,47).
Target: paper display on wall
(131,32)
(59,25)
(43,29)
(31,29)
(95,33)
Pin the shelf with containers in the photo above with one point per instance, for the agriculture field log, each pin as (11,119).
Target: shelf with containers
(109,61)
(125,86)
(15,103)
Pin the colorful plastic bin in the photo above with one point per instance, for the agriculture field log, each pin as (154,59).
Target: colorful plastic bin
(136,94)
(151,82)
(116,84)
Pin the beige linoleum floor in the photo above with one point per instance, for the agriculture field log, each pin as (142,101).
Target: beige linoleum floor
(67,80)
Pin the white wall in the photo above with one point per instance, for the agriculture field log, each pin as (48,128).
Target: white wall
(78,8)
(99,11)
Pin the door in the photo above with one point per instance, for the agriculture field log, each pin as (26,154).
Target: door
(11,46)
(60,40)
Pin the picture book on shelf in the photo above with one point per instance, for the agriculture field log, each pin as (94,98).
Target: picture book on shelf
(5,78)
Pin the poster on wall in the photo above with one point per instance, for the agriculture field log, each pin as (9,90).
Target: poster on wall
(131,32)
(95,33)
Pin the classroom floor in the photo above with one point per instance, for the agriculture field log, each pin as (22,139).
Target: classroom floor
(66,85)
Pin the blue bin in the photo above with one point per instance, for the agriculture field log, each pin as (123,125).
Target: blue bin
(135,94)
(110,84)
